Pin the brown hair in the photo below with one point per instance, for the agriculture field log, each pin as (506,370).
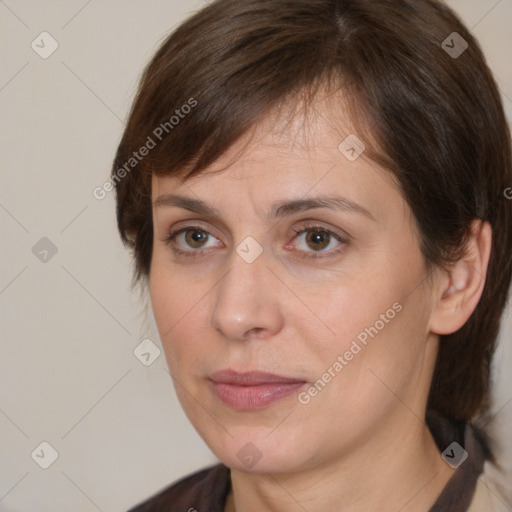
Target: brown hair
(436,120)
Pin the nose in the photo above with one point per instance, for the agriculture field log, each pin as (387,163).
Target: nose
(247,302)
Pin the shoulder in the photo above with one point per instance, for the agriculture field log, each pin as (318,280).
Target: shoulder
(492,491)
(206,489)
(479,483)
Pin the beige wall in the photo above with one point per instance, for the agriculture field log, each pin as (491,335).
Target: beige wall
(69,325)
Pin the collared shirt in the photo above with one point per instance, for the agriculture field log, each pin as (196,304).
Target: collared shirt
(207,490)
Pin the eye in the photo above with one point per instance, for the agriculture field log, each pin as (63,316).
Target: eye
(191,240)
(317,240)
(314,241)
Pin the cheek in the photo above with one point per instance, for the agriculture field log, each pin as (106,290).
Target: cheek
(374,295)
(355,310)
(379,322)
(180,311)
(379,346)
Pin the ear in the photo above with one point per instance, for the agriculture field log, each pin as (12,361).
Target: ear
(460,287)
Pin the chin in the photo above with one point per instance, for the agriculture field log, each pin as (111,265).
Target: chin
(267,464)
(252,451)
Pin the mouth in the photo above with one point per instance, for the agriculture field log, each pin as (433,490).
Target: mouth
(252,390)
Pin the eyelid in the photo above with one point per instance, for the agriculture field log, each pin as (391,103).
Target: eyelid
(310,225)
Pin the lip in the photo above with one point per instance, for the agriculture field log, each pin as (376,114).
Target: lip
(252,390)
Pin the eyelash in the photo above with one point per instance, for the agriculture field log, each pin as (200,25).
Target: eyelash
(308,227)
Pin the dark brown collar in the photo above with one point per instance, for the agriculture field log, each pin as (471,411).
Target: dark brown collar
(458,493)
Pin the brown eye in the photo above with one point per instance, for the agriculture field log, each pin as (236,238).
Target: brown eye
(195,238)
(318,242)
(318,239)
(191,241)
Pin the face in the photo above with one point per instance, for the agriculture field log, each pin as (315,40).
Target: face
(290,296)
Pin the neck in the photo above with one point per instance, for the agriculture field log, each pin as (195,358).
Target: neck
(398,469)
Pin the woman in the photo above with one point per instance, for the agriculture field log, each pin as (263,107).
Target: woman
(314,194)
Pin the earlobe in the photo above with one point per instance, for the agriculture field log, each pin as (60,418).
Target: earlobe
(462,285)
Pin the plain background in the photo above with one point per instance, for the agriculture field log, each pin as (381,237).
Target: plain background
(69,324)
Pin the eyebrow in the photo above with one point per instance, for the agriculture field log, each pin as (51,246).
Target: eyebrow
(278,210)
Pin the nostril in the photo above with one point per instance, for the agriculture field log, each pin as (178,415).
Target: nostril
(254,332)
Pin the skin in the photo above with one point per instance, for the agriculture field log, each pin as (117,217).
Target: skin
(361,443)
